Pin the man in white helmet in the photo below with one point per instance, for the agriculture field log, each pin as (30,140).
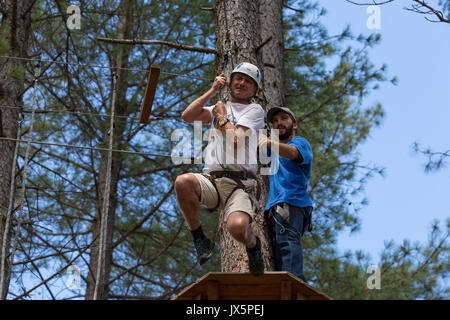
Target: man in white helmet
(228,179)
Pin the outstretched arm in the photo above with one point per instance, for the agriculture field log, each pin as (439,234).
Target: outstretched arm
(284,150)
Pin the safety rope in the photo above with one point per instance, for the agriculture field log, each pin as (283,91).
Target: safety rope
(76,112)
(98,149)
(100,279)
(101,67)
(227,44)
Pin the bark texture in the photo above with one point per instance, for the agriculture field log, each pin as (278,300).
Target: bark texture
(271,19)
(15,30)
(242,21)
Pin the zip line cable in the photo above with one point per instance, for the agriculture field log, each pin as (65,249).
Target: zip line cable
(100,278)
(102,67)
(99,149)
(44,111)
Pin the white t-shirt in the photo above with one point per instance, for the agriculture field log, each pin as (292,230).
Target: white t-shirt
(220,153)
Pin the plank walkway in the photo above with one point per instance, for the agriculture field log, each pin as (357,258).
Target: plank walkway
(244,286)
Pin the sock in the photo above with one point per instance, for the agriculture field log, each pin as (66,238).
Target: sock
(255,247)
(198,233)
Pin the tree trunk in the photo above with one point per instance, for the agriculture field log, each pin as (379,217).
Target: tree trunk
(271,19)
(271,25)
(242,20)
(15,30)
(121,61)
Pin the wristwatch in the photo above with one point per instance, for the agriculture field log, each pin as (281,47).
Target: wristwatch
(221,123)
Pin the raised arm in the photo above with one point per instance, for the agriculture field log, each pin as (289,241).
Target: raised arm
(196,111)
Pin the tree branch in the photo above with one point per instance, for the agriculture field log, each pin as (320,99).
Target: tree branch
(263,44)
(55,274)
(177,46)
(294,9)
(414,8)
(437,13)
(145,218)
(150,171)
(370,4)
(149,261)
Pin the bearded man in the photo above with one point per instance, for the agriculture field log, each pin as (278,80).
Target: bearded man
(289,207)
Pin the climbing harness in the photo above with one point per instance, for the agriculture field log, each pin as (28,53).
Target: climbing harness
(236,176)
(283,210)
(226,56)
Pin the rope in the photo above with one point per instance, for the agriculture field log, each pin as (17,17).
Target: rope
(226,47)
(105,209)
(97,148)
(4,276)
(227,50)
(101,67)
(78,113)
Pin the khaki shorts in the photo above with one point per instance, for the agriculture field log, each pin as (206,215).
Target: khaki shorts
(239,200)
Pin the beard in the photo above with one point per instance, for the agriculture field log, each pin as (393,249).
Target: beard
(287,132)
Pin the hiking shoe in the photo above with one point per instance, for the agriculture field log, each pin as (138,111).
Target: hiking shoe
(204,248)
(255,259)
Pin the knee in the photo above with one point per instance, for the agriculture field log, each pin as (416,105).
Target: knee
(238,225)
(185,183)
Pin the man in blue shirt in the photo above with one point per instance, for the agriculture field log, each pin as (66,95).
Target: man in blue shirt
(288,206)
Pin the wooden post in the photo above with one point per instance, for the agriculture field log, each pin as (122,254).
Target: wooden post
(149,94)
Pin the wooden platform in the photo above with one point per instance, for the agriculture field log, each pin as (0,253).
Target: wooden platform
(244,286)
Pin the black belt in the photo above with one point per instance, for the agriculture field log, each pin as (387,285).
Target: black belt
(230,174)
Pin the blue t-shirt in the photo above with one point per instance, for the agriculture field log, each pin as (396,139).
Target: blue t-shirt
(290,182)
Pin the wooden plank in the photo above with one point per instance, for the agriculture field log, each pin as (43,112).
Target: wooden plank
(212,290)
(247,278)
(191,291)
(301,296)
(149,95)
(310,292)
(286,290)
(231,292)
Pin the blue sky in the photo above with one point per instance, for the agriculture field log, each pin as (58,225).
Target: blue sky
(403,204)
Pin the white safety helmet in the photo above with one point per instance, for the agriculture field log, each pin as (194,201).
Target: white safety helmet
(250,70)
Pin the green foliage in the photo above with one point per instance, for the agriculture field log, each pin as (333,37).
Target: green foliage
(4,45)
(407,271)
